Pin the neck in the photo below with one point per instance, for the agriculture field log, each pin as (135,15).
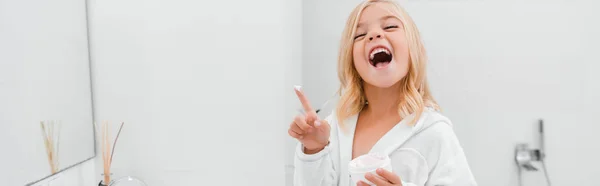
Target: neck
(382,101)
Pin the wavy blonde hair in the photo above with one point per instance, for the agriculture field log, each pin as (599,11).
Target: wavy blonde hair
(415,93)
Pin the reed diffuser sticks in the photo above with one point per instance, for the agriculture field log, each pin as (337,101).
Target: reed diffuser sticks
(107,151)
(51,142)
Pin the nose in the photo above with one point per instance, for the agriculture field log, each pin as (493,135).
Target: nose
(377,36)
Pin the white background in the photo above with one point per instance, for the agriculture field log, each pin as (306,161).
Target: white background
(44,75)
(495,68)
(205,88)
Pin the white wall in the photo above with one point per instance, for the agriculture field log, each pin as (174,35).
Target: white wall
(495,68)
(44,75)
(205,88)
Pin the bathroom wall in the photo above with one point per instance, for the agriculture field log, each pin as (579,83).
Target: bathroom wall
(495,68)
(204,88)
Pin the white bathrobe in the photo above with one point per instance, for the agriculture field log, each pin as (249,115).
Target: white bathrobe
(425,154)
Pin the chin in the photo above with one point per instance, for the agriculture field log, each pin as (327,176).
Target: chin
(383,82)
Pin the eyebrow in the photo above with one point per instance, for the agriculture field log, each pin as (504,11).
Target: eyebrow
(381,19)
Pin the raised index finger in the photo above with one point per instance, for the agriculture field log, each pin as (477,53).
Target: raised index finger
(303,99)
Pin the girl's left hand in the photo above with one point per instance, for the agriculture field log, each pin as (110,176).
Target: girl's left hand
(386,178)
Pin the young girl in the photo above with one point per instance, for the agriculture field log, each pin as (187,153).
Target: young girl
(385,107)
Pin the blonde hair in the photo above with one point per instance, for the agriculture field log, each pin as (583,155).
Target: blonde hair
(415,93)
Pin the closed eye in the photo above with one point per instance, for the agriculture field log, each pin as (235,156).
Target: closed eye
(358,36)
(390,27)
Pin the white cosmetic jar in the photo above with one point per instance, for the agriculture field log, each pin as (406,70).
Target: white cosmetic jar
(368,163)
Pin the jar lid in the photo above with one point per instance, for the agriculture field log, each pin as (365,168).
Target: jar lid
(368,162)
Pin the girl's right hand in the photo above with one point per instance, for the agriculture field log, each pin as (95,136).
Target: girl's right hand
(311,131)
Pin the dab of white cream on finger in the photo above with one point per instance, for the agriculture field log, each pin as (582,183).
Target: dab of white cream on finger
(298,87)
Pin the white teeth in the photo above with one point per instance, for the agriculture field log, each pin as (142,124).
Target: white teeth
(372,55)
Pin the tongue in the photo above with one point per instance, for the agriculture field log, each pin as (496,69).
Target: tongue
(381,64)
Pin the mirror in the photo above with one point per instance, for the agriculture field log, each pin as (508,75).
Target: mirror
(44,76)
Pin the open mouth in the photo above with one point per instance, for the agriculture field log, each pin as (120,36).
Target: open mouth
(380,57)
